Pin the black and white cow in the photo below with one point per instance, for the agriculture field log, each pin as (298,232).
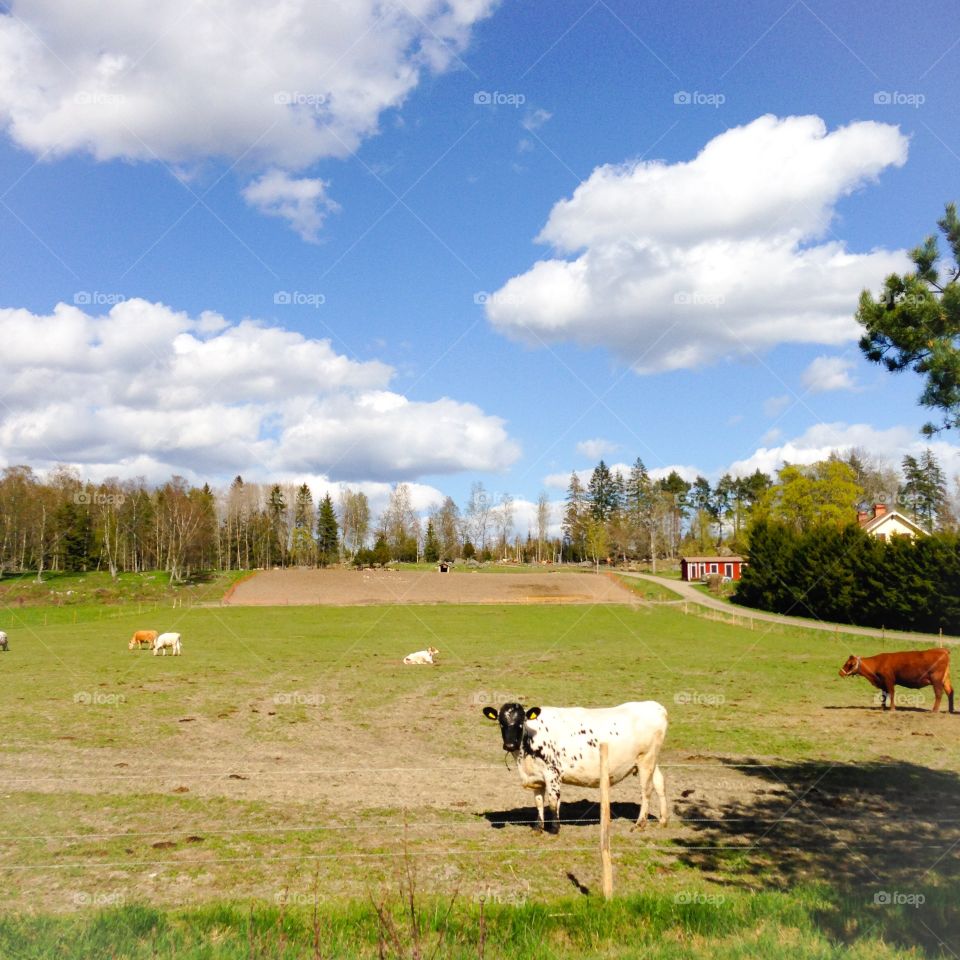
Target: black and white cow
(554,745)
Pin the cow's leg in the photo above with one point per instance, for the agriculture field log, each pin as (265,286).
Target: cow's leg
(890,687)
(937,696)
(538,796)
(661,789)
(552,795)
(646,766)
(948,686)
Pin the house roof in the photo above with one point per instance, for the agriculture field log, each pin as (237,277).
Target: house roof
(875,523)
(712,559)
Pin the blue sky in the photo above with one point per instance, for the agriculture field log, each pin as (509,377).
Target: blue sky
(494,214)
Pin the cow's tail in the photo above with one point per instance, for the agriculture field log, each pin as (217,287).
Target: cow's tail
(948,689)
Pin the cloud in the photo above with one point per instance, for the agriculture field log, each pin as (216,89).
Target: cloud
(820,440)
(596,448)
(535,119)
(301,201)
(774,406)
(147,389)
(674,266)
(269,86)
(828,373)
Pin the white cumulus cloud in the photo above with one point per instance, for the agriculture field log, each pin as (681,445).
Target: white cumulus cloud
(301,201)
(678,265)
(147,389)
(596,448)
(828,373)
(265,85)
(820,440)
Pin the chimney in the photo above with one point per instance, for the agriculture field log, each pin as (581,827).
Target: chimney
(879,509)
(862,517)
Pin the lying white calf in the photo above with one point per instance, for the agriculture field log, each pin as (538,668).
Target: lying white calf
(171,640)
(422,656)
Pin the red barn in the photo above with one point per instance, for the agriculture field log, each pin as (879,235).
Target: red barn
(699,568)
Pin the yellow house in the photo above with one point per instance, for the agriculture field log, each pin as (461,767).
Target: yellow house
(883,523)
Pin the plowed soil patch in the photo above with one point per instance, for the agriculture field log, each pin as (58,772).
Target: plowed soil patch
(349,587)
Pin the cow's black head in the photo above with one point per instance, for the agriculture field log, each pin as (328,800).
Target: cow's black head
(511,718)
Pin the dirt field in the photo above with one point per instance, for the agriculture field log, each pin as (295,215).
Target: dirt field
(351,587)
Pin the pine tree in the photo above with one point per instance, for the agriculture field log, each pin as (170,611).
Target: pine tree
(915,325)
(701,499)
(575,517)
(431,545)
(602,494)
(276,511)
(303,547)
(675,490)
(327,533)
(924,488)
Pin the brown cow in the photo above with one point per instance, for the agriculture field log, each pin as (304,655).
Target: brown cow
(142,638)
(912,668)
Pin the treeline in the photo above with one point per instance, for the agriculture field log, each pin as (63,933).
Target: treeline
(843,575)
(633,517)
(61,523)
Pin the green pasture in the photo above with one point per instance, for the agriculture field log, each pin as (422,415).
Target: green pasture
(161,806)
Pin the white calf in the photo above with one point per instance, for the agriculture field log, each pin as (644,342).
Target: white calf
(4,642)
(171,640)
(422,656)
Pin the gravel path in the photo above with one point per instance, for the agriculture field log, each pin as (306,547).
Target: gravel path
(690,593)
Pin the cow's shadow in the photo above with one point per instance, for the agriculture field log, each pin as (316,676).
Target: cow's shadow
(876,823)
(576,813)
(880,838)
(876,709)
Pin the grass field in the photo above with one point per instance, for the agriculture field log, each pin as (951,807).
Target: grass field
(199,806)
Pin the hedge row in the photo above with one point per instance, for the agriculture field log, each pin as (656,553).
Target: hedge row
(844,575)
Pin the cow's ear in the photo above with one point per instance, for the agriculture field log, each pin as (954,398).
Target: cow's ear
(533,713)
(490,713)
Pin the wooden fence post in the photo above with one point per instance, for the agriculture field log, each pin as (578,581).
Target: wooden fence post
(605,862)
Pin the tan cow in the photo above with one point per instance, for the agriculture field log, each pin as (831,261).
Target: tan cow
(142,638)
